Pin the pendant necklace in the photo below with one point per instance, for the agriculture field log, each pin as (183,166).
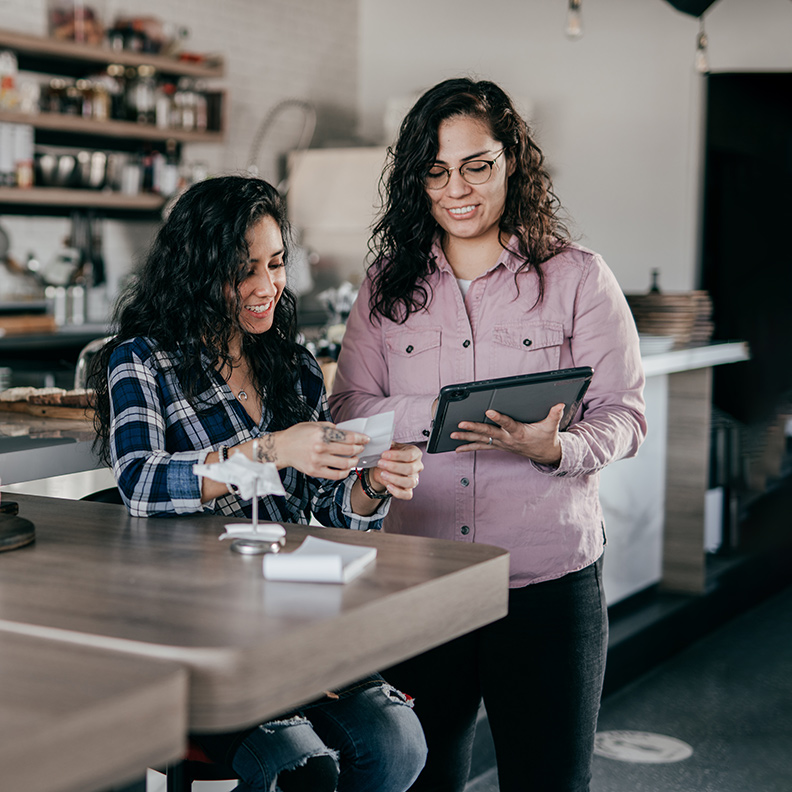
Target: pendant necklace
(242,396)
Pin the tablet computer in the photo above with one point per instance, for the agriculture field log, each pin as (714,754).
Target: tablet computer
(524,397)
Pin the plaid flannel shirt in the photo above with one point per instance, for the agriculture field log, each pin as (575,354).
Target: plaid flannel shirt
(156,436)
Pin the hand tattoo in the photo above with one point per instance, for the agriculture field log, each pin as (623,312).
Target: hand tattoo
(330,434)
(266,449)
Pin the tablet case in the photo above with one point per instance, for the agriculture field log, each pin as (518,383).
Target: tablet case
(524,397)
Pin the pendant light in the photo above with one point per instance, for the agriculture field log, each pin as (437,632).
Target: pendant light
(574,21)
(702,59)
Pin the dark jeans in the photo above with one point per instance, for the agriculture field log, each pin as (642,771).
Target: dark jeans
(368,729)
(539,670)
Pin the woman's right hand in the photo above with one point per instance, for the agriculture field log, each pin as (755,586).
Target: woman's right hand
(316,448)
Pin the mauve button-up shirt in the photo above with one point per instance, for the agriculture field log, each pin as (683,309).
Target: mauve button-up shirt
(549,519)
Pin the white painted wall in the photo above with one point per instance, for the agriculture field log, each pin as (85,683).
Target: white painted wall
(618,112)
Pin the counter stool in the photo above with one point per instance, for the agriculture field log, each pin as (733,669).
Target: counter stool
(195,766)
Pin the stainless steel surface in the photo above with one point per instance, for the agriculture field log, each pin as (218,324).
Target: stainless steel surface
(82,369)
(44,447)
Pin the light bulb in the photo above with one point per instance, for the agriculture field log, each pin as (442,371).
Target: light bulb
(574,21)
(702,61)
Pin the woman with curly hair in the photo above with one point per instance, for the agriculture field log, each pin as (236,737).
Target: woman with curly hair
(205,362)
(474,277)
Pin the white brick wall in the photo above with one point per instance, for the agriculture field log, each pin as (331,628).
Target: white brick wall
(274,49)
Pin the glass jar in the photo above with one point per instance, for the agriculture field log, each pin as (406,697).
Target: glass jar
(141,96)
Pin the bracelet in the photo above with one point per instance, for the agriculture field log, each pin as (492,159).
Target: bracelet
(232,488)
(365,482)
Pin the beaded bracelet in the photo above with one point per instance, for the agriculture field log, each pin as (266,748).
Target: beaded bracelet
(232,488)
(365,482)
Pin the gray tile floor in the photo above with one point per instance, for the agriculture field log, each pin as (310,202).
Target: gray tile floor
(728,696)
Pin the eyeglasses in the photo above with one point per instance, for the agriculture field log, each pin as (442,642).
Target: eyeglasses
(473,172)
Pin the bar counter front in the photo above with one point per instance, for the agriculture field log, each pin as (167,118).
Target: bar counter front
(168,588)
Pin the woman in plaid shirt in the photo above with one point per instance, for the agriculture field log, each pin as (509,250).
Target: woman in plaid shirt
(204,362)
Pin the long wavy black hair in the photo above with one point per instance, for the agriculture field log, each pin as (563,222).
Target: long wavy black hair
(179,298)
(401,239)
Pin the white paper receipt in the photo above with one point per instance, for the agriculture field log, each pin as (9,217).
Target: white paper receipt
(319,561)
(379,428)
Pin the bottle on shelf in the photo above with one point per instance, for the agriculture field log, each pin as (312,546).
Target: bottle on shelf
(166,170)
(7,175)
(163,105)
(185,102)
(101,99)
(9,98)
(72,101)
(141,96)
(23,155)
(86,92)
(201,107)
(115,80)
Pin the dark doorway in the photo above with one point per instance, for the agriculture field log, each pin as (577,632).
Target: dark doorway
(747,250)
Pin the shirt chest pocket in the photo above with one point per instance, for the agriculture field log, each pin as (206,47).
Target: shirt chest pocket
(526,347)
(414,360)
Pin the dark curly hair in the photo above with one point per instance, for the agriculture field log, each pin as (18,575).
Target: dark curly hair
(179,299)
(401,238)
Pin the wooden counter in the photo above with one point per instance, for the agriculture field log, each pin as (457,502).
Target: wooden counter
(169,589)
(654,504)
(80,719)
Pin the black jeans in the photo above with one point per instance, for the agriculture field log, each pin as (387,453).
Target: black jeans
(539,670)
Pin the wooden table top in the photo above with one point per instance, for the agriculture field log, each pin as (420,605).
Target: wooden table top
(169,589)
(77,719)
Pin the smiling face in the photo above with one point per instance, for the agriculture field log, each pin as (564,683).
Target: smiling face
(263,285)
(469,211)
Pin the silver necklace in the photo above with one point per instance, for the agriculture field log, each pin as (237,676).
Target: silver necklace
(242,396)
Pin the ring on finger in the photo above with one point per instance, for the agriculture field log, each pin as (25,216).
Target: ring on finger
(489,442)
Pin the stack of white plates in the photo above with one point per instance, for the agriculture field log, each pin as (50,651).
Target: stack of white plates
(655,344)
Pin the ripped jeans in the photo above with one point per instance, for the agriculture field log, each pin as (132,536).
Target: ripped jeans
(370,731)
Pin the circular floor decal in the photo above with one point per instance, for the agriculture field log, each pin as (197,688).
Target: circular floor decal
(640,747)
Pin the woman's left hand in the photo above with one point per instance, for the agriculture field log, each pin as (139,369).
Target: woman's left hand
(397,470)
(537,441)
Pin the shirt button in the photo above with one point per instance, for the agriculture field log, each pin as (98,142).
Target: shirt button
(466,343)
(425,433)
(464,482)
(464,530)
(527,342)
(409,349)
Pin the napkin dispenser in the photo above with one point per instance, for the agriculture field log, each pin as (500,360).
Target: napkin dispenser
(15,531)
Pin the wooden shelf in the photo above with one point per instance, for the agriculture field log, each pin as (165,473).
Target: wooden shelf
(87,199)
(43,47)
(45,55)
(60,122)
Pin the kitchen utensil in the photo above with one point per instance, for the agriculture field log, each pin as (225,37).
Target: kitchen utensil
(11,263)
(4,244)
(95,247)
